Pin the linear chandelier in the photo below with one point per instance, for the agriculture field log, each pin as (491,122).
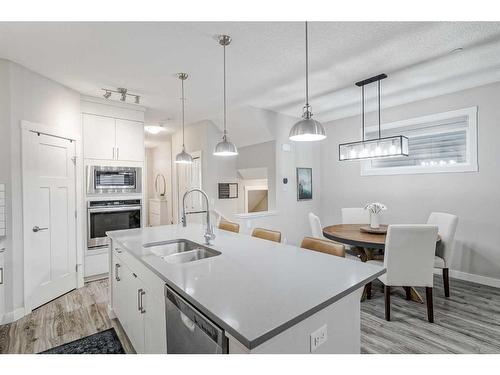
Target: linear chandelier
(123,92)
(381,147)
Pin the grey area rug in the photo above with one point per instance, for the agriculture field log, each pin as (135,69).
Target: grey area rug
(105,342)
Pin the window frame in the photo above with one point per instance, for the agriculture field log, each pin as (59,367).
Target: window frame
(471,145)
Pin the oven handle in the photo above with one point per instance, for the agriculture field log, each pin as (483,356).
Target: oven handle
(114,209)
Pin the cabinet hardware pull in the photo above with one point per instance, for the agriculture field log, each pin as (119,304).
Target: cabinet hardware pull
(1,275)
(117,278)
(118,251)
(142,307)
(117,153)
(139,299)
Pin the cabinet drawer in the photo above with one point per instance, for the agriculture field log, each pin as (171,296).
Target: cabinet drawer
(152,281)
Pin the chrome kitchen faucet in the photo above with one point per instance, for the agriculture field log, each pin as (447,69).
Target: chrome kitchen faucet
(209,232)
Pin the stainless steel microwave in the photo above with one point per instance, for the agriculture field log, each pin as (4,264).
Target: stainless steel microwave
(113,180)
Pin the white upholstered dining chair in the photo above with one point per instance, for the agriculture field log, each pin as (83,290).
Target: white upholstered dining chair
(315,224)
(447,226)
(317,232)
(409,261)
(355,215)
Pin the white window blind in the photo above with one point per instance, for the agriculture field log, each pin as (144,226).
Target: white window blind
(438,143)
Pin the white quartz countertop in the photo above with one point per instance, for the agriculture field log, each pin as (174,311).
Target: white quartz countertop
(256,288)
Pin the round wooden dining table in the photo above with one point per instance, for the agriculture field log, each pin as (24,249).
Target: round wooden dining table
(365,243)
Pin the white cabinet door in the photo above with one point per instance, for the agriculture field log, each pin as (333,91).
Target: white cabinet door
(155,334)
(132,319)
(129,140)
(98,137)
(118,288)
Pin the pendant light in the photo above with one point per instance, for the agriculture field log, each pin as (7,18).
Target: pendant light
(307,129)
(374,148)
(183,157)
(225,147)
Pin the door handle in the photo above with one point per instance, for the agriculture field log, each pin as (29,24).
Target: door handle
(142,310)
(1,275)
(36,228)
(117,278)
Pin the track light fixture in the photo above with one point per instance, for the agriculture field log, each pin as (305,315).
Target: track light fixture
(123,92)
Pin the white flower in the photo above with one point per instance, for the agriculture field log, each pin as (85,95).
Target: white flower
(375,207)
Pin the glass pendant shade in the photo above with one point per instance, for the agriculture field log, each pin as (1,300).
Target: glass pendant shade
(225,148)
(307,130)
(374,148)
(183,157)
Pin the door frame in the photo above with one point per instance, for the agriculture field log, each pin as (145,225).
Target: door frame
(26,128)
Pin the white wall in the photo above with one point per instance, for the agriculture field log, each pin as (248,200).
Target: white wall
(33,98)
(474,197)
(291,215)
(203,136)
(262,155)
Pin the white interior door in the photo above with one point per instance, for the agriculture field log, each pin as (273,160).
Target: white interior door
(188,177)
(49,206)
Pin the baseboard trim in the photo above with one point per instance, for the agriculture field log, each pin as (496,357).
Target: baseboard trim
(12,316)
(472,277)
(485,280)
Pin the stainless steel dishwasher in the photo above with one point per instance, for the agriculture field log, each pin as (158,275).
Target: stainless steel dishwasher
(189,331)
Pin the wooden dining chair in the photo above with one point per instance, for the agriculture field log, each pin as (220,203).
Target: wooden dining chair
(409,261)
(229,226)
(447,226)
(323,246)
(267,234)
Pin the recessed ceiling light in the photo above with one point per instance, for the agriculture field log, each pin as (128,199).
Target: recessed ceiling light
(154,129)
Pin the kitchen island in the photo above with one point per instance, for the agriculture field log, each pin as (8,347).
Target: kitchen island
(264,296)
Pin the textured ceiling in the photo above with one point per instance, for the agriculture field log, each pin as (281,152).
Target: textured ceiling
(265,62)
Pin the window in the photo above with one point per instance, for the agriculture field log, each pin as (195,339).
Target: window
(438,143)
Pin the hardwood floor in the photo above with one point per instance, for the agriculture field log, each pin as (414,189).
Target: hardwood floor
(467,322)
(77,314)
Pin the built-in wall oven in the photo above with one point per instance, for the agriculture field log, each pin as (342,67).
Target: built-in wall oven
(113,180)
(108,215)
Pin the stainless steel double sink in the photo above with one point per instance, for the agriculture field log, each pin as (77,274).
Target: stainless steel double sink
(180,251)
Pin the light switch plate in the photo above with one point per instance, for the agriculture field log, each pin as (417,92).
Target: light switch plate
(318,337)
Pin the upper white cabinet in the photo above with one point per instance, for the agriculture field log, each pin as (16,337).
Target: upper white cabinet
(98,137)
(129,140)
(107,138)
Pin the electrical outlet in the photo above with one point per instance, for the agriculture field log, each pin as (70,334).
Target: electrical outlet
(318,337)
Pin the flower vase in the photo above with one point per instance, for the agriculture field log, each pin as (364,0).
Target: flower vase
(374,220)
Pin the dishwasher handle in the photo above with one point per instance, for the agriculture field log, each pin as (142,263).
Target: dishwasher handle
(187,322)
